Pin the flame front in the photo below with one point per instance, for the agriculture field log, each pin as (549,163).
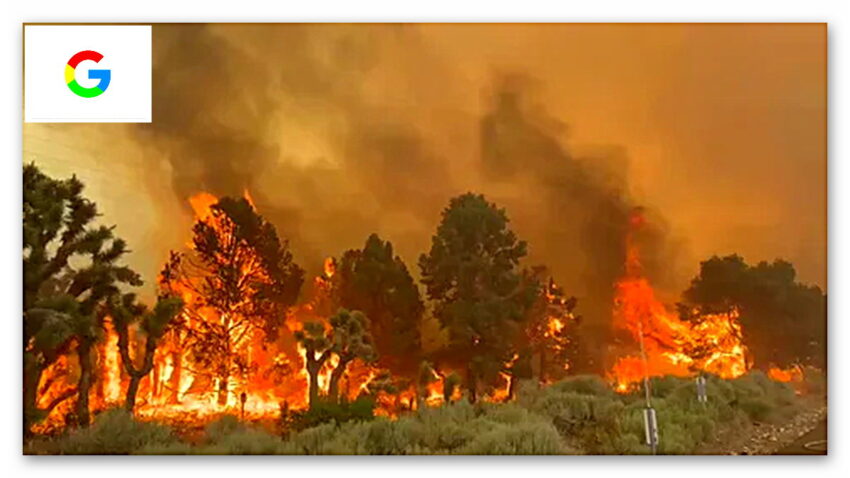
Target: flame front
(273,378)
(711,343)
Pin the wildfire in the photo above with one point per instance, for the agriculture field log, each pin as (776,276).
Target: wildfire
(270,378)
(670,345)
(273,377)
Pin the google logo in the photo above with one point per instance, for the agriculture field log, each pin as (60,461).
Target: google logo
(103,75)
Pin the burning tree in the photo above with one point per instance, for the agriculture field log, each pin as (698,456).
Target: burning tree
(238,281)
(550,333)
(782,320)
(471,272)
(669,344)
(124,312)
(347,339)
(351,339)
(376,282)
(70,267)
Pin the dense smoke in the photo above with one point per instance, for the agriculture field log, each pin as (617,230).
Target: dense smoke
(280,111)
(221,93)
(575,211)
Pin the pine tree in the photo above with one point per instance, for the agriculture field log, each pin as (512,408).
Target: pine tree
(377,282)
(244,278)
(481,296)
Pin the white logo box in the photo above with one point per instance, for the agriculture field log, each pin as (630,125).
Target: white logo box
(126,51)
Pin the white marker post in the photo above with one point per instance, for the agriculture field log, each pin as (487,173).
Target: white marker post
(650,423)
(702,393)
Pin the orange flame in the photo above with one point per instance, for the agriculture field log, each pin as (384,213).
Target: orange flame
(710,343)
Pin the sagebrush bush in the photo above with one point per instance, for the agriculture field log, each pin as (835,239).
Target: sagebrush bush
(244,441)
(332,412)
(114,432)
(594,419)
(224,425)
(458,428)
(578,415)
(539,438)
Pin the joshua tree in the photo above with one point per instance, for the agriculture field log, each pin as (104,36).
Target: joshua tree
(315,341)
(348,338)
(70,268)
(351,340)
(125,311)
(427,376)
(450,384)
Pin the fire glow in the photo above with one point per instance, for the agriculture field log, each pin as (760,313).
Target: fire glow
(711,343)
(273,378)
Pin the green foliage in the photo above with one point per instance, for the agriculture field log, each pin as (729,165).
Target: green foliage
(56,229)
(327,411)
(519,439)
(221,427)
(377,282)
(472,274)
(244,441)
(70,266)
(596,420)
(225,436)
(351,337)
(165,310)
(114,432)
(453,429)
(584,385)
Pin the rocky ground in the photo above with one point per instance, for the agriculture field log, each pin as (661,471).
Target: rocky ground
(781,438)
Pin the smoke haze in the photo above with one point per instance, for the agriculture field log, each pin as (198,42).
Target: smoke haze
(338,131)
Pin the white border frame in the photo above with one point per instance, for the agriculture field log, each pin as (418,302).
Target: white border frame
(152,11)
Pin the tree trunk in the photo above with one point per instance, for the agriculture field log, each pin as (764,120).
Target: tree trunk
(471,384)
(177,359)
(512,388)
(448,390)
(136,375)
(222,390)
(155,387)
(132,388)
(32,377)
(542,366)
(84,384)
(333,386)
(313,372)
